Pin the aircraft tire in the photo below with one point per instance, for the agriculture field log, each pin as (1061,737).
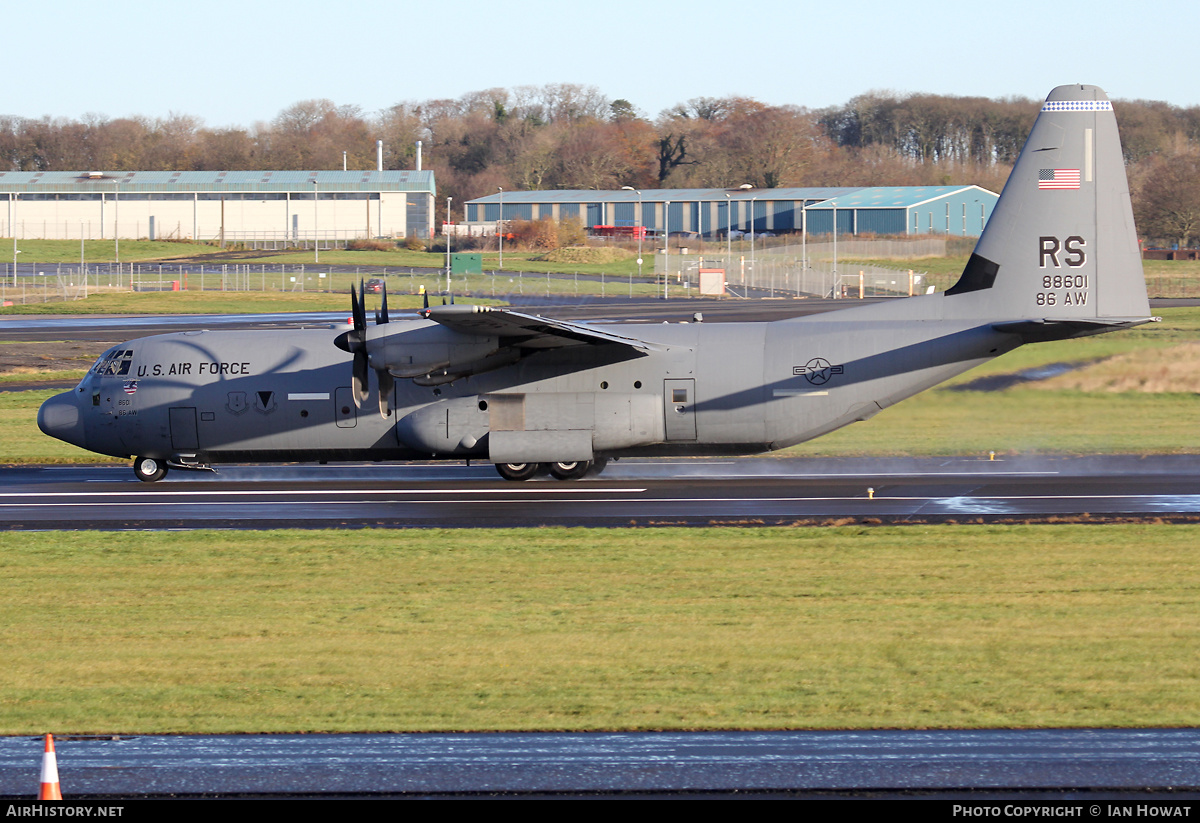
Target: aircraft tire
(570,471)
(597,466)
(149,469)
(518,471)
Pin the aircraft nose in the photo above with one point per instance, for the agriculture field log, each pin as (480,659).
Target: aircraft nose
(59,417)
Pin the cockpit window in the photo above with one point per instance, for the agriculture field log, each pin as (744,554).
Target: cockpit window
(114,363)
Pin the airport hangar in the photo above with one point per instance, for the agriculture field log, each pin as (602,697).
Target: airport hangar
(891,210)
(258,207)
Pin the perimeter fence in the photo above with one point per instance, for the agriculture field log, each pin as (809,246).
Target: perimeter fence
(808,270)
(812,270)
(34,283)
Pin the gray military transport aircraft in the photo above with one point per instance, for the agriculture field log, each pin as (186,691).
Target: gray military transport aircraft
(1058,259)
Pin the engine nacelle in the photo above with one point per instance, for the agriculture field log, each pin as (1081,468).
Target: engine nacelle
(430,350)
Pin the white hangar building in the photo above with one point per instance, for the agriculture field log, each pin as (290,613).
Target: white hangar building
(234,206)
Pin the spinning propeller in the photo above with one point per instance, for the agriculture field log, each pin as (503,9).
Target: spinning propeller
(355,341)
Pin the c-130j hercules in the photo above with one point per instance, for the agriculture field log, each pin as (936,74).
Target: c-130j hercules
(1058,259)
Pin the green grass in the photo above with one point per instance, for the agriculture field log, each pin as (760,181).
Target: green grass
(52,252)
(513,261)
(243,292)
(23,441)
(940,626)
(1164,278)
(1018,421)
(206,302)
(55,375)
(101,251)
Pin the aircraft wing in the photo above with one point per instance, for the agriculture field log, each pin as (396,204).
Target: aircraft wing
(528,330)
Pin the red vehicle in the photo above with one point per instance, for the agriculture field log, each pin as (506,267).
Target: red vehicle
(634,232)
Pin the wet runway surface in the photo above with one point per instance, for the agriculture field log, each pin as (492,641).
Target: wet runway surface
(1051,763)
(754,491)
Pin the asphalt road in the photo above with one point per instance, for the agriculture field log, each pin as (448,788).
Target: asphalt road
(1085,766)
(699,492)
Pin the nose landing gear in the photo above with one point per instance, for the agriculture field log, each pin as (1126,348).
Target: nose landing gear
(149,469)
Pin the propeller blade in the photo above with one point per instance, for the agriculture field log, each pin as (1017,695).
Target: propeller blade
(386,384)
(359,378)
(381,316)
(358,311)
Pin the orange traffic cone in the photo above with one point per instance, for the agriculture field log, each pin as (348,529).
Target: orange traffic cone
(50,789)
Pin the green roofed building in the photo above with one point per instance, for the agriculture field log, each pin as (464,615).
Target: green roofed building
(911,210)
(233,206)
(953,210)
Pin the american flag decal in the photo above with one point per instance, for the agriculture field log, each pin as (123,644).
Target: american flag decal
(1058,178)
(130,386)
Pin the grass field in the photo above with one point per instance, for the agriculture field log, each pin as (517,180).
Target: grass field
(52,252)
(103,251)
(1164,278)
(263,292)
(941,626)
(209,302)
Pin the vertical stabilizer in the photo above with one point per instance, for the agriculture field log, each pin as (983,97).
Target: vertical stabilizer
(1061,242)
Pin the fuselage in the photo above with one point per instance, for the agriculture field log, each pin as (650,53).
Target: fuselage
(229,396)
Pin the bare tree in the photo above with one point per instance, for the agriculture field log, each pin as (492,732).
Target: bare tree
(1168,205)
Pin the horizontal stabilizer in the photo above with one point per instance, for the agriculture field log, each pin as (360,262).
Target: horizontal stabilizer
(1052,328)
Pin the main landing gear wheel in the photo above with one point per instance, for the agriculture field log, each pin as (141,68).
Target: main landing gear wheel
(570,471)
(149,470)
(517,471)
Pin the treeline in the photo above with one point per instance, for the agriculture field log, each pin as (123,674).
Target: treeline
(567,136)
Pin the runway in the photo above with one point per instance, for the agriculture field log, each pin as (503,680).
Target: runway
(699,492)
(1084,765)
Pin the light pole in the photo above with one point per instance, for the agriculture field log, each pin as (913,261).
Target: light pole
(639,224)
(728,237)
(316,228)
(803,245)
(15,196)
(754,273)
(500,226)
(448,224)
(667,247)
(835,270)
(117,222)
